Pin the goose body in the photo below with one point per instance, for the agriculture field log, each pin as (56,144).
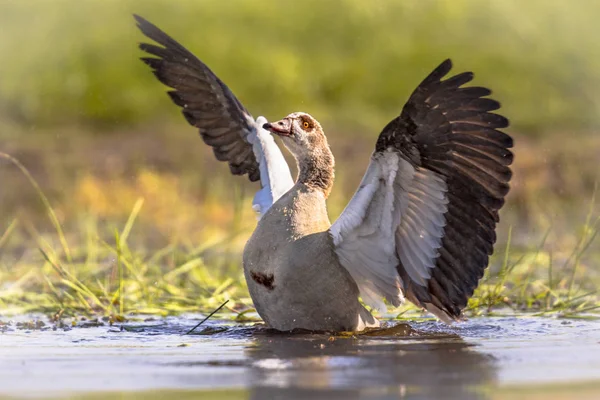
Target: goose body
(421,225)
(290,257)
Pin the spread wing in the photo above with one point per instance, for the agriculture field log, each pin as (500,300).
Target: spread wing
(223,122)
(422,223)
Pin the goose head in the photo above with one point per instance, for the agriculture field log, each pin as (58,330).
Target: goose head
(303,136)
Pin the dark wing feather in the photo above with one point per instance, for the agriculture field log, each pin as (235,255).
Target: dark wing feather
(207,102)
(450,130)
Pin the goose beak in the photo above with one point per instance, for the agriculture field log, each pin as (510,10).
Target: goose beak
(281,128)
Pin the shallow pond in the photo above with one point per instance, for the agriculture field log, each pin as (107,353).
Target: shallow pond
(478,359)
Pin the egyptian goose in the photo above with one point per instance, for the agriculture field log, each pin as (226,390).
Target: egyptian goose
(421,225)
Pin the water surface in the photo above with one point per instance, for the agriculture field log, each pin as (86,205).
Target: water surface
(478,359)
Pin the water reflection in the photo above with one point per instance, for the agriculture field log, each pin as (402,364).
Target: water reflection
(394,364)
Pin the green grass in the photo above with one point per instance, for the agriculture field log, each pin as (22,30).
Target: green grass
(95,271)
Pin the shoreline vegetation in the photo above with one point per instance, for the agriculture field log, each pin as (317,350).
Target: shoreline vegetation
(116,248)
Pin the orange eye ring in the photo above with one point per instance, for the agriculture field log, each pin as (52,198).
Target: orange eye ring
(305,124)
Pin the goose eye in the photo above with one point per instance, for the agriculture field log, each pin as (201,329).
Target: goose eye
(305,124)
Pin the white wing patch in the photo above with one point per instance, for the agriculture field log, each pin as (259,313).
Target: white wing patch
(396,215)
(364,233)
(275,176)
(421,229)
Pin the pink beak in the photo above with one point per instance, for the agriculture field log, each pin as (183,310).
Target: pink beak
(281,128)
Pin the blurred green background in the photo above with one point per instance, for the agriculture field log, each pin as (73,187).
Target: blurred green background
(95,129)
(348,61)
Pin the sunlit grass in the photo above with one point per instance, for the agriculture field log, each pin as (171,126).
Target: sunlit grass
(104,266)
(534,282)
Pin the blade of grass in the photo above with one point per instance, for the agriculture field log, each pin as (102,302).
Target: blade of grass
(91,237)
(45,201)
(8,232)
(550,266)
(584,247)
(503,273)
(182,269)
(118,242)
(53,291)
(580,248)
(75,283)
(130,221)
(207,317)
(527,276)
(224,285)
